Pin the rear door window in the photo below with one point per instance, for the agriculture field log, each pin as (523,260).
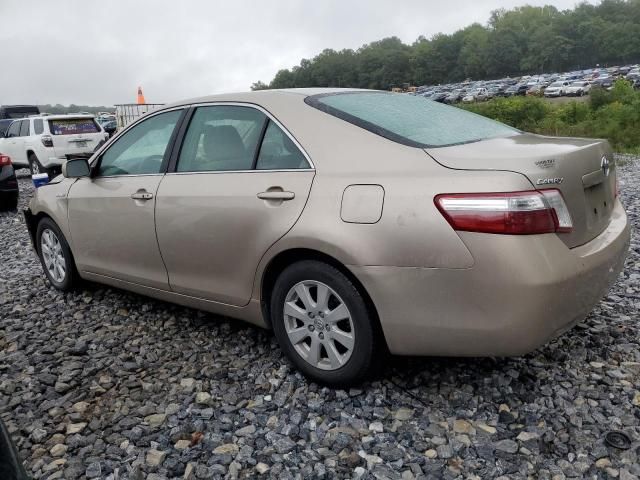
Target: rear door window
(24,128)
(278,152)
(408,119)
(38,126)
(73,126)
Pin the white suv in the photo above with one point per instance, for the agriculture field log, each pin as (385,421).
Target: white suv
(42,142)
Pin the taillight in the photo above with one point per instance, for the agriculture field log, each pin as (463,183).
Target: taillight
(47,141)
(512,213)
(5,160)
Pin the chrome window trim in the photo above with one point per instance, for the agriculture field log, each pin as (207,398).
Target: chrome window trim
(271,117)
(129,175)
(217,172)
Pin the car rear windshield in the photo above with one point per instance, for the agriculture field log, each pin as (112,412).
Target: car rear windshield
(73,126)
(409,119)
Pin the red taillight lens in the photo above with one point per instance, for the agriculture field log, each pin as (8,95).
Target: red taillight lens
(512,213)
(4,160)
(47,141)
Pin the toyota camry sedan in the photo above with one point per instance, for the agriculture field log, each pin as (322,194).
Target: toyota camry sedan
(351,222)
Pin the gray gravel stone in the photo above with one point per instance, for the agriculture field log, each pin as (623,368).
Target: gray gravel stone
(101,383)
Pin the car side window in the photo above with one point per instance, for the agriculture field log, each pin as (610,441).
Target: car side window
(38,126)
(14,130)
(141,150)
(221,138)
(24,128)
(278,152)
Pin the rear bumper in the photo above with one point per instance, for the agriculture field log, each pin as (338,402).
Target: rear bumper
(521,292)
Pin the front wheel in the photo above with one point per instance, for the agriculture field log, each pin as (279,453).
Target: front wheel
(55,256)
(323,325)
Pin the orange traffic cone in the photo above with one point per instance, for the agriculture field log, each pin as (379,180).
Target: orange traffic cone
(141,100)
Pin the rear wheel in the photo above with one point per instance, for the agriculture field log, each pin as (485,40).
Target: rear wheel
(323,324)
(55,256)
(34,165)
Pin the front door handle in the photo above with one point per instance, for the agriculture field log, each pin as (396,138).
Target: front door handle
(276,195)
(142,195)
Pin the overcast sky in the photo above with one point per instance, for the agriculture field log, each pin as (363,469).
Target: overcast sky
(97,52)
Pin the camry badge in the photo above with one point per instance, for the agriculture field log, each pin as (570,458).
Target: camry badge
(604,164)
(550,181)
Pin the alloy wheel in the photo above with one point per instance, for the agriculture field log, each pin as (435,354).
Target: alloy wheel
(319,325)
(53,256)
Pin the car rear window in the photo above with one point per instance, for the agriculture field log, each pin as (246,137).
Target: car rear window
(409,119)
(73,126)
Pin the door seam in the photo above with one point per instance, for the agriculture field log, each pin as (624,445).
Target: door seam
(155,230)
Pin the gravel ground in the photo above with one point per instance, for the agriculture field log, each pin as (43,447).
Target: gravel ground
(107,384)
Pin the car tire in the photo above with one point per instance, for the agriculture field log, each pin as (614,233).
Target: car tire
(55,256)
(333,342)
(35,166)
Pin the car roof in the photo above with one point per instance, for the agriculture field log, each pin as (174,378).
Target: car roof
(264,95)
(60,116)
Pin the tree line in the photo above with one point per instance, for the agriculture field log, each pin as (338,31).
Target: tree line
(63,109)
(524,40)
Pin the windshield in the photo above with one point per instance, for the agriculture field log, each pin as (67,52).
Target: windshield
(410,120)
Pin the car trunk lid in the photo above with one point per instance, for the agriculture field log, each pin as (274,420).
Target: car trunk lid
(582,169)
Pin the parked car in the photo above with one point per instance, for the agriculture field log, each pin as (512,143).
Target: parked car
(516,90)
(454,97)
(578,89)
(282,208)
(557,89)
(18,111)
(476,95)
(536,90)
(42,143)
(8,184)
(439,97)
(109,126)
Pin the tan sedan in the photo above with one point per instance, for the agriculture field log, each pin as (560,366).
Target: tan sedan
(351,222)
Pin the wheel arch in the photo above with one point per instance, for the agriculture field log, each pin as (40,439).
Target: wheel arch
(287,257)
(33,220)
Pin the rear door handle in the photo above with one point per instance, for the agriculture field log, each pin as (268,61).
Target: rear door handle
(142,196)
(276,195)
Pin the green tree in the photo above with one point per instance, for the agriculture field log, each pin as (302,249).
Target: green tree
(523,40)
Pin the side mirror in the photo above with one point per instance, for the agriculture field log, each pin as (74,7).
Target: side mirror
(10,464)
(76,168)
